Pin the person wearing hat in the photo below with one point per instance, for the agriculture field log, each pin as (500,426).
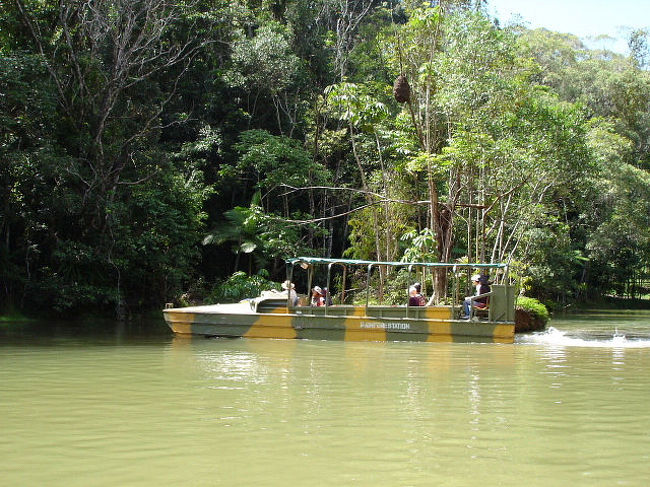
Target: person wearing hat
(415,296)
(290,287)
(317,296)
(481,283)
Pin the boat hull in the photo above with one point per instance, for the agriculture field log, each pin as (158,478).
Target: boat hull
(354,323)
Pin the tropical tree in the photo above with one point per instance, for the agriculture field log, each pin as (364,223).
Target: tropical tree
(266,238)
(619,242)
(30,163)
(264,65)
(273,165)
(112,68)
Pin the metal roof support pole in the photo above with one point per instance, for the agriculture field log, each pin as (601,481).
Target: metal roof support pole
(455,298)
(329,272)
(345,272)
(290,279)
(368,288)
(408,287)
(382,283)
(310,278)
(423,284)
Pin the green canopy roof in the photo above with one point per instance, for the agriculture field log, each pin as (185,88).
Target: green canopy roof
(322,260)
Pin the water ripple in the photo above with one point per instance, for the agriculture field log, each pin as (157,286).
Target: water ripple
(555,337)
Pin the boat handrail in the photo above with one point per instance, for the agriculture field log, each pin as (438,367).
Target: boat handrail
(476,297)
(309,263)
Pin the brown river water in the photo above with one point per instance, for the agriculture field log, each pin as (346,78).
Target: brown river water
(111,405)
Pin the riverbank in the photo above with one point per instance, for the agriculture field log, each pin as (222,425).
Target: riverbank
(530,315)
(615,302)
(14,317)
(526,321)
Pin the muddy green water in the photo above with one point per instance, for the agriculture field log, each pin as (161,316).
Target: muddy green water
(125,407)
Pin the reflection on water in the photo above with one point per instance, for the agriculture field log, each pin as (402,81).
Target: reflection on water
(564,407)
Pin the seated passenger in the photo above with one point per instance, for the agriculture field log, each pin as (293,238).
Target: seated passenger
(317,297)
(482,285)
(290,287)
(415,298)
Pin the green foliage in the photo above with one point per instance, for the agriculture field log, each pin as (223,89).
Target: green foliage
(362,237)
(120,146)
(160,227)
(618,245)
(364,242)
(551,263)
(150,258)
(270,162)
(534,307)
(263,236)
(241,286)
(606,84)
(638,44)
(397,285)
(354,104)
(421,246)
(264,62)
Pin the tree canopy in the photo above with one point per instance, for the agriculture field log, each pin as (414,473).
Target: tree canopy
(152,149)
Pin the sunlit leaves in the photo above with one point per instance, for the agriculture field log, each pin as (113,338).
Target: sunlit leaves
(272,161)
(424,161)
(265,61)
(353,103)
(421,246)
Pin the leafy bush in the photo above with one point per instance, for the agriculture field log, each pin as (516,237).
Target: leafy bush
(534,307)
(239,286)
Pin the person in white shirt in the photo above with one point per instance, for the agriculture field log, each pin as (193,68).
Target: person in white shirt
(290,287)
(482,285)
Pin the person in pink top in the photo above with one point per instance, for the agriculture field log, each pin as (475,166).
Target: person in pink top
(317,296)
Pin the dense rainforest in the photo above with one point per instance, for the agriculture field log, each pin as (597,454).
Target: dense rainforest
(155,151)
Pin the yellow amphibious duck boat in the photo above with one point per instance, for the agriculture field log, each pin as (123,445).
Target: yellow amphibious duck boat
(274,315)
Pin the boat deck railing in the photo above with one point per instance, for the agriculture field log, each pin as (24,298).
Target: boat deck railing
(500,309)
(376,311)
(501,306)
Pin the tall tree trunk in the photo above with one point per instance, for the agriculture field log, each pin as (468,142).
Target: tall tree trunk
(369,199)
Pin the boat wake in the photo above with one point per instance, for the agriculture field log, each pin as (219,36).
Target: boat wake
(553,336)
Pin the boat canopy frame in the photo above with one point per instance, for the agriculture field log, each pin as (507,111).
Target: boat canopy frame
(309,262)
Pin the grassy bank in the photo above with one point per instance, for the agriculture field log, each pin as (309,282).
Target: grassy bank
(14,317)
(612,302)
